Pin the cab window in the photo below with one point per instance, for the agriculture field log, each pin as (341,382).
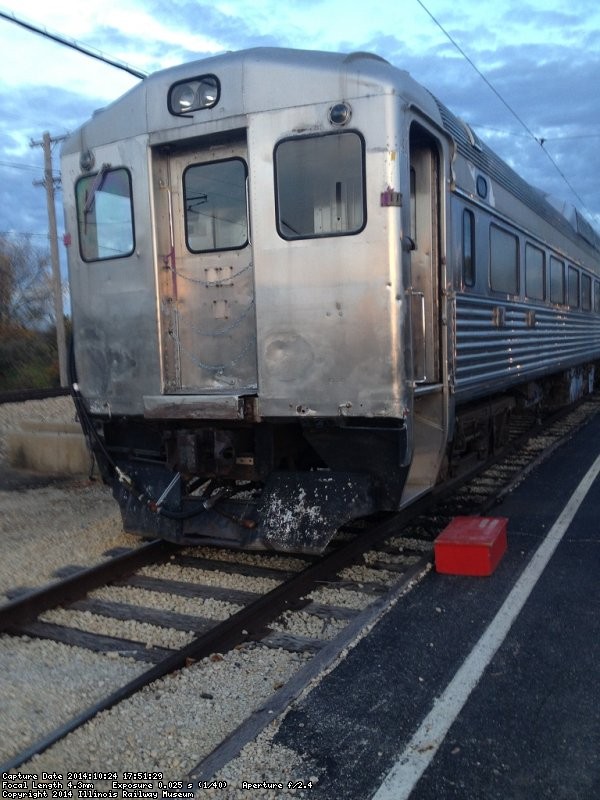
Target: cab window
(320,185)
(105,215)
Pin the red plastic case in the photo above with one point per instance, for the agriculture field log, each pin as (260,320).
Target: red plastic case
(471,545)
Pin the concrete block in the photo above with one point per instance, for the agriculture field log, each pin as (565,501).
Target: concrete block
(49,447)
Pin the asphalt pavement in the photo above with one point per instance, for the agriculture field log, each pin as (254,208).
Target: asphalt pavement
(528,728)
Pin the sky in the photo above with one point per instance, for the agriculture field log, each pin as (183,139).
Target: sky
(537,104)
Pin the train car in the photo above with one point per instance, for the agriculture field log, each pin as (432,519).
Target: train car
(302,290)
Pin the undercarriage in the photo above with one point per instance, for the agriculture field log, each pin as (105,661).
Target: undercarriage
(281,486)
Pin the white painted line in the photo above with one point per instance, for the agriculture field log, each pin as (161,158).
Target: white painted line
(421,750)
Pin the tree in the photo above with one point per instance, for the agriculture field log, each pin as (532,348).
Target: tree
(25,284)
(28,352)
(6,287)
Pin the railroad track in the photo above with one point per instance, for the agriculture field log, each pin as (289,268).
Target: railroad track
(397,547)
(21,616)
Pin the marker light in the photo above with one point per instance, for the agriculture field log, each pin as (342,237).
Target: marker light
(193,95)
(340,114)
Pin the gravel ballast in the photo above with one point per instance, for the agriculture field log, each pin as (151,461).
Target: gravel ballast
(62,522)
(173,723)
(176,721)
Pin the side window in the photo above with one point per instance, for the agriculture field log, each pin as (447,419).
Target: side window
(597,297)
(105,215)
(413,204)
(320,185)
(573,287)
(504,261)
(557,280)
(535,272)
(468,252)
(216,216)
(586,292)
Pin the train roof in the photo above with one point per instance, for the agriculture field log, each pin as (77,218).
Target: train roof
(267,78)
(252,81)
(478,153)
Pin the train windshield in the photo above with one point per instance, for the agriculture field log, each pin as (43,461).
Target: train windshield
(320,185)
(105,215)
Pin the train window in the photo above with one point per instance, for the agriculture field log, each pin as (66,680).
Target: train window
(586,292)
(535,272)
(413,204)
(216,216)
(105,215)
(468,238)
(504,261)
(320,185)
(573,287)
(597,297)
(557,280)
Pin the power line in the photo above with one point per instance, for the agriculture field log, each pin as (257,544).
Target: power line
(23,233)
(88,51)
(498,130)
(15,165)
(478,71)
(575,136)
(539,141)
(542,139)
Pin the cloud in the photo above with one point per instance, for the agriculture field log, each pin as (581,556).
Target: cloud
(541,56)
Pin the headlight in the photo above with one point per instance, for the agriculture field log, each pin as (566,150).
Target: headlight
(193,95)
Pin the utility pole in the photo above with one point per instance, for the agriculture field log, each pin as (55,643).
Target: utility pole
(48,183)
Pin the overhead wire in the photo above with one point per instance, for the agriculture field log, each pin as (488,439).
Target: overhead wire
(16,165)
(539,140)
(525,135)
(74,45)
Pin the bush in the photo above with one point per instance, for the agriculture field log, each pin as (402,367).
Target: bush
(28,358)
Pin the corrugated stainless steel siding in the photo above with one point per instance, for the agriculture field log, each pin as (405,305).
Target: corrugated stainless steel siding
(487,355)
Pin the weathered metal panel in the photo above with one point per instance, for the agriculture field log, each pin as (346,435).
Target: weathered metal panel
(194,407)
(207,296)
(114,300)
(330,311)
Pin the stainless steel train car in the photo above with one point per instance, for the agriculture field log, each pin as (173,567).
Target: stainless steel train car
(302,289)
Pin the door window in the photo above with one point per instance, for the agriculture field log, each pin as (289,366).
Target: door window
(216,214)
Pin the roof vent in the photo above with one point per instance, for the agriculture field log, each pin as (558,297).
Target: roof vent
(359,55)
(471,135)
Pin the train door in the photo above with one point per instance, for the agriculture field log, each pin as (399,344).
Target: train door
(209,327)
(430,395)
(424,233)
